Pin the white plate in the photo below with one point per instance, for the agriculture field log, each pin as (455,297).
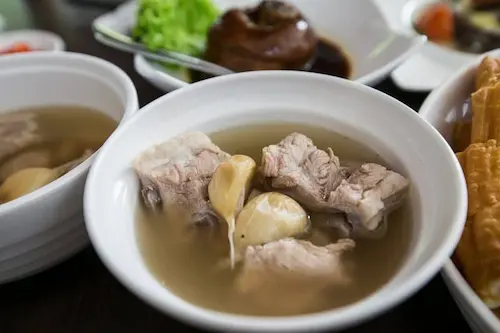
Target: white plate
(39,40)
(374,55)
(433,64)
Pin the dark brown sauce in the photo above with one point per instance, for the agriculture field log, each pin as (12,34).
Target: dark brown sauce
(330,60)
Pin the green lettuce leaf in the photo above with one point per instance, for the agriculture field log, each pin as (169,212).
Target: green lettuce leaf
(176,25)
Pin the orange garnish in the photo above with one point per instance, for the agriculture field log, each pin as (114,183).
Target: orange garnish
(16,48)
(436,22)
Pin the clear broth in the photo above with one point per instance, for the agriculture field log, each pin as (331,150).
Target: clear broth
(63,133)
(186,263)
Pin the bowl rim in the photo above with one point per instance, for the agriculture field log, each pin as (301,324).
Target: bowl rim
(131,103)
(312,322)
(450,271)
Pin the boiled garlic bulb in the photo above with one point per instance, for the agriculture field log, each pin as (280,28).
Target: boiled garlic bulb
(228,188)
(269,217)
(25,181)
(28,180)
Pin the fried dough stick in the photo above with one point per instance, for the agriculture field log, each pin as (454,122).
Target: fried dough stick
(486,114)
(481,166)
(479,254)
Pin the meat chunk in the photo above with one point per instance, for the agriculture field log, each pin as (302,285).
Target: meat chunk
(337,222)
(293,272)
(17,131)
(297,168)
(315,179)
(177,172)
(368,194)
(344,228)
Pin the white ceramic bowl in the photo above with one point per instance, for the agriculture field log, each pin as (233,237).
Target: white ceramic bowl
(437,110)
(39,40)
(375,50)
(398,134)
(46,225)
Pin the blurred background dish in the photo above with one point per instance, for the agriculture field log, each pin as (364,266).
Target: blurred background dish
(371,59)
(48,102)
(458,31)
(448,108)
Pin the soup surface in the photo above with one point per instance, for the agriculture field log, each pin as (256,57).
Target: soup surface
(46,142)
(190,262)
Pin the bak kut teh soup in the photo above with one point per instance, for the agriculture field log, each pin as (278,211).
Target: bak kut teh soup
(40,144)
(270,219)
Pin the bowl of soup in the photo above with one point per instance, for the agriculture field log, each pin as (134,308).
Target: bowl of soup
(465,111)
(275,201)
(57,110)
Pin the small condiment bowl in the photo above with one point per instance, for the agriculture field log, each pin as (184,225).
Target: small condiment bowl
(439,110)
(37,40)
(46,225)
(409,145)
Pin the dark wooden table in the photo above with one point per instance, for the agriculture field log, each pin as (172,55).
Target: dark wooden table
(80,295)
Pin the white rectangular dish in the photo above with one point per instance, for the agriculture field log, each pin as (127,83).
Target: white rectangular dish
(374,48)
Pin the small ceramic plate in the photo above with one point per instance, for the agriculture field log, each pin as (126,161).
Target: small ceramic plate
(38,40)
(374,48)
(433,64)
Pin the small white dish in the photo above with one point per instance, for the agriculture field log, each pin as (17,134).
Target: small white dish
(373,56)
(437,110)
(45,219)
(433,64)
(394,131)
(39,40)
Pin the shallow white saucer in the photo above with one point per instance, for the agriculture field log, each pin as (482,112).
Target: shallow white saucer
(433,64)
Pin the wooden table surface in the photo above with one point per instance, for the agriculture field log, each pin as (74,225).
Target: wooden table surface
(80,295)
